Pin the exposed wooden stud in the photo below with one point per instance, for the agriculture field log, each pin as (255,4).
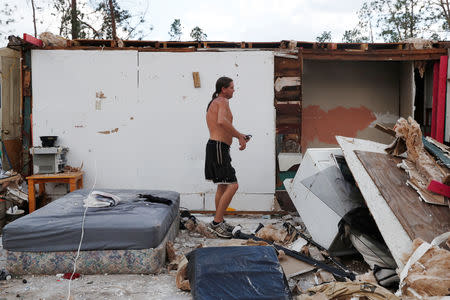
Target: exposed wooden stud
(242,44)
(288,107)
(364,47)
(287,66)
(288,95)
(165,45)
(250,45)
(27,82)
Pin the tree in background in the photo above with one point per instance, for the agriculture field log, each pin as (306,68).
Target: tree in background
(175,31)
(198,35)
(79,19)
(324,37)
(398,20)
(7,13)
(441,14)
(354,36)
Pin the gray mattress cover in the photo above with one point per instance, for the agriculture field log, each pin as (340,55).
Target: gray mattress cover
(132,224)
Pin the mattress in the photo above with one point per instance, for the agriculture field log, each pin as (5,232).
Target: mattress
(131,225)
(142,261)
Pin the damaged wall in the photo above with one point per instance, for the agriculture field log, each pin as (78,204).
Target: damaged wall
(136,120)
(348,99)
(10,107)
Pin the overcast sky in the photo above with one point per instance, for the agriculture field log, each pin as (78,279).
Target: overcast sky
(233,20)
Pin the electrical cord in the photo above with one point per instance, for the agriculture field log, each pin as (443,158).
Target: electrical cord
(82,234)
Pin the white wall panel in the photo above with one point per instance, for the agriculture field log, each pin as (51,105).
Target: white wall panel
(159,116)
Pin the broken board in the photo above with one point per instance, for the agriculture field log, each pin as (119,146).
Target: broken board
(392,231)
(293,267)
(419,219)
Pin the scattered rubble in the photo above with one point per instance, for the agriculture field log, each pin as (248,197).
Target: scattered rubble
(347,290)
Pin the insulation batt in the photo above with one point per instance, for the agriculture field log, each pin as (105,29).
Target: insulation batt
(411,133)
(429,276)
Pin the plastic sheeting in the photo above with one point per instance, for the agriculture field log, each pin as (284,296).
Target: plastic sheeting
(251,272)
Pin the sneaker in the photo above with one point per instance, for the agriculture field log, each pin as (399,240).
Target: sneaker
(220,230)
(229,227)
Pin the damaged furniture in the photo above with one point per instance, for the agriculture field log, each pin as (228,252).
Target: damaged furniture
(322,195)
(74,179)
(129,238)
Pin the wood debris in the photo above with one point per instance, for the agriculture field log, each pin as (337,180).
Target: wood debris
(272,234)
(324,276)
(315,253)
(170,250)
(181,280)
(347,290)
(199,227)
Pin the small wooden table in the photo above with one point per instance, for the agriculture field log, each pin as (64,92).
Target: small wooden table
(74,179)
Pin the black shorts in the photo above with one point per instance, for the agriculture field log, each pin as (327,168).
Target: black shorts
(218,163)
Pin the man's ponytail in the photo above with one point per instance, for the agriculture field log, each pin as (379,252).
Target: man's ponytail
(222,82)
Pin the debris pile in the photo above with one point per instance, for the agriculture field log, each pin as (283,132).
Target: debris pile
(421,167)
(13,197)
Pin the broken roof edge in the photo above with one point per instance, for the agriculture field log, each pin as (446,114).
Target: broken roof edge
(283,44)
(416,49)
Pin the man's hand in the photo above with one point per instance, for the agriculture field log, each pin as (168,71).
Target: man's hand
(242,141)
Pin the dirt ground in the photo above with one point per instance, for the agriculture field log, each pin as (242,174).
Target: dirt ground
(158,286)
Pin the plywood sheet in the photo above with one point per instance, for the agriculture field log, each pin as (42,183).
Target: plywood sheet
(419,219)
(392,231)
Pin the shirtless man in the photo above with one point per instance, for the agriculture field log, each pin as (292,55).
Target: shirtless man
(218,161)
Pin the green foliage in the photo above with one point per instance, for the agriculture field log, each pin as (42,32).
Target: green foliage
(324,37)
(198,35)
(120,15)
(128,25)
(175,31)
(398,20)
(354,36)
